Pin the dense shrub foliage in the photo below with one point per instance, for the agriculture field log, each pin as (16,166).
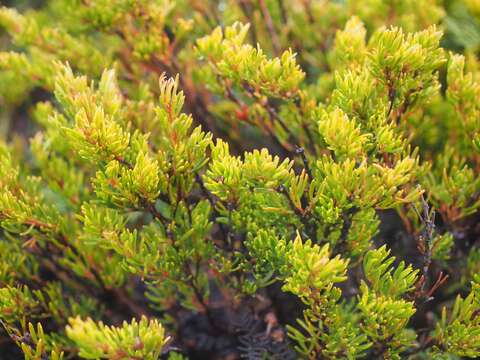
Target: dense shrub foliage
(259,179)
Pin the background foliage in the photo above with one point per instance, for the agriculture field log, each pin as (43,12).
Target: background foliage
(231,179)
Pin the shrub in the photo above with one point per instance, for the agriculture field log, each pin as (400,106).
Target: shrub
(240,179)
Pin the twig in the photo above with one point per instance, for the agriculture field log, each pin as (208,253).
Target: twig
(311,230)
(270,27)
(347,216)
(347,222)
(301,151)
(427,217)
(391,98)
(274,115)
(213,203)
(427,343)
(282,190)
(123,298)
(272,112)
(56,267)
(283,11)
(231,96)
(247,10)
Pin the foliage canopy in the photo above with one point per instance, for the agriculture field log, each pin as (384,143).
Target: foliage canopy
(240,179)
